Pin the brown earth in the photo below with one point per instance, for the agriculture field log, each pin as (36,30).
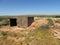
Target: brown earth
(34,25)
(38,23)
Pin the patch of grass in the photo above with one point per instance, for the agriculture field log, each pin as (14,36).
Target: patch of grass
(39,36)
(42,37)
(4,34)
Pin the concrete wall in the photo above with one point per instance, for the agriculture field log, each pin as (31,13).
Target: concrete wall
(19,23)
(22,21)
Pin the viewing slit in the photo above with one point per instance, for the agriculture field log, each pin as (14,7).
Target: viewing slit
(13,22)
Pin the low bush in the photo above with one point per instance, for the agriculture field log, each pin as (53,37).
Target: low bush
(37,36)
(58,21)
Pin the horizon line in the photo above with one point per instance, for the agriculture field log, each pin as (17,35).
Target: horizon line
(32,15)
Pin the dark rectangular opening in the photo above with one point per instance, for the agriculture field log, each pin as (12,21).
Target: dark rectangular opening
(13,22)
(30,20)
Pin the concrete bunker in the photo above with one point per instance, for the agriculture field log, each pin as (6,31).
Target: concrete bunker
(22,21)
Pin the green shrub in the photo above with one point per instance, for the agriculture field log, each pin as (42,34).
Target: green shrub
(5,22)
(57,16)
(50,22)
(57,21)
(44,27)
(4,33)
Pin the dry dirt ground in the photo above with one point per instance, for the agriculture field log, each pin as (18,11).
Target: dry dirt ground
(23,34)
(37,23)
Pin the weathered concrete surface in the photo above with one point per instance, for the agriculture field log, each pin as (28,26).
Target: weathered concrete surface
(23,21)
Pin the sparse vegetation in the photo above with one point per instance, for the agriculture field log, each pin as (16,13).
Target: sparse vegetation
(50,22)
(39,36)
(58,21)
(3,21)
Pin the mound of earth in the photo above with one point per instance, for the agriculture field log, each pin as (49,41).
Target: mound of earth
(38,23)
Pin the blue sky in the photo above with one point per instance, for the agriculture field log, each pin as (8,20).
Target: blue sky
(18,7)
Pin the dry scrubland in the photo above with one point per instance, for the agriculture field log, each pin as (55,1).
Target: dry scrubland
(39,33)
